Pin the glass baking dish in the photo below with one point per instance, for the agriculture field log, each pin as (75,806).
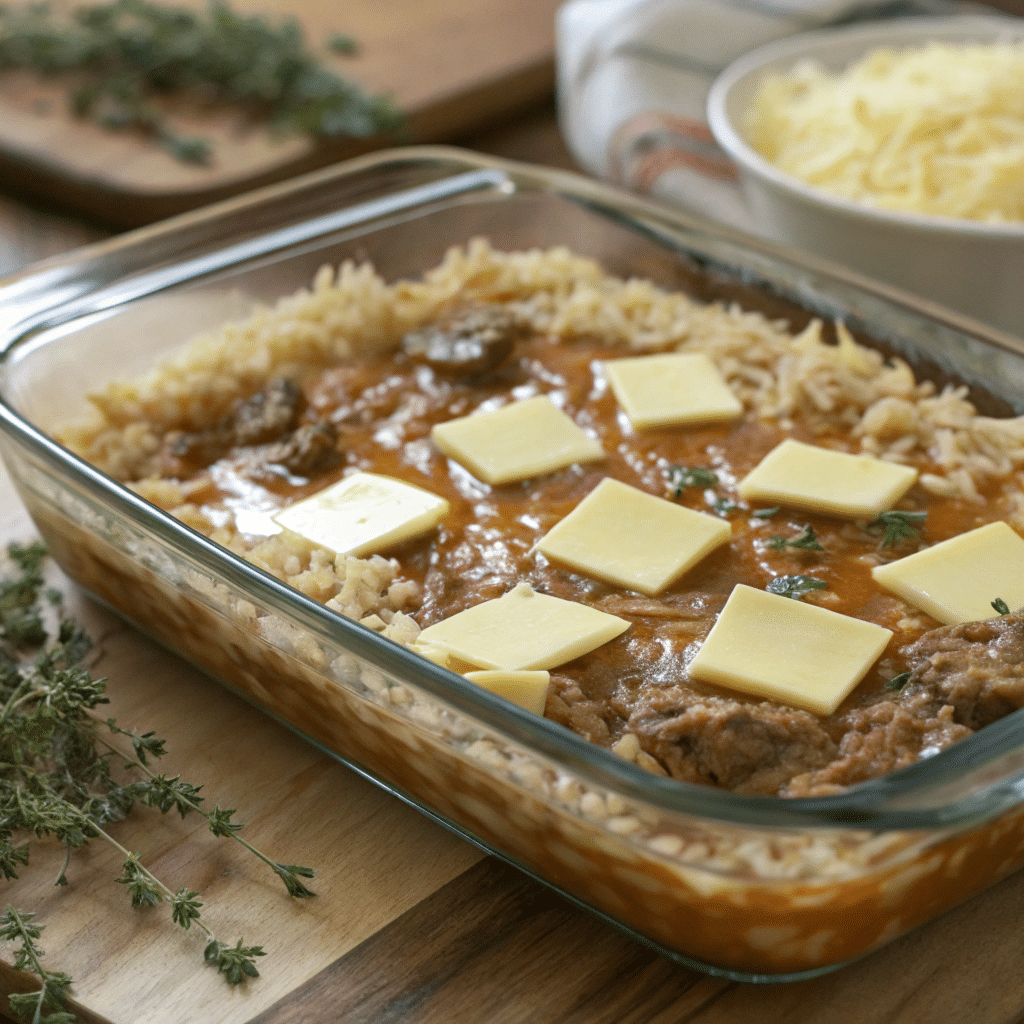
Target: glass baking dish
(751,888)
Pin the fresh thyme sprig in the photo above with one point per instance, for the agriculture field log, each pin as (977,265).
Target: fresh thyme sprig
(125,54)
(681,477)
(61,778)
(899,526)
(805,541)
(794,586)
(166,794)
(46,1005)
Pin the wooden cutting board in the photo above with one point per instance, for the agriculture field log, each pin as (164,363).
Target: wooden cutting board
(451,66)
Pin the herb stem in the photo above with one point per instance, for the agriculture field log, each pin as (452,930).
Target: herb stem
(219,824)
(15,927)
(15,701)
(131,858)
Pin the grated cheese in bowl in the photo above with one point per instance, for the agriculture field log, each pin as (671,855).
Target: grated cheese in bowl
(937,129)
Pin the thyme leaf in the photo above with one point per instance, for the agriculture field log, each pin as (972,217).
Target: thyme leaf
(898,682)
(1001,607)
(681,477)
(236,963)
(805,541)
(724,506)
(124,56)
(794,586)
(899,526)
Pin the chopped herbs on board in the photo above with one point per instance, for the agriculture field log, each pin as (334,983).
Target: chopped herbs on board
(66,774)
(120,58)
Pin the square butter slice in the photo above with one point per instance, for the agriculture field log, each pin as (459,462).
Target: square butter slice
(520,440)
(675,387)
(815,479)
(957,580)
(527,689)
(523,630)
(788,651)
(634,539)
(363,514)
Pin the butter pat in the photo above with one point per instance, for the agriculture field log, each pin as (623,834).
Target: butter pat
(958,579)
(527,689)
(628,537)
(363,514)
(788,651)
(660,390)
(520,440)
(817,479)
(523,630)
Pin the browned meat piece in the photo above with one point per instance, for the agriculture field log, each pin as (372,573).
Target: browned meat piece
(752,748)
(963,677)
(469,343)
(567,705)
(264,417)
(976,667)
(880,738)
(310,449)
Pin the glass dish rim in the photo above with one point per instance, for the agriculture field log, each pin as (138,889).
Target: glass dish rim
(882,804)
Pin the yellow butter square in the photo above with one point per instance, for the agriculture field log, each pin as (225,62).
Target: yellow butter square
(815,479)
(674,387)
(517,441)
(523,630)
(363,514)
(527,689)
(634,539)
(788,651)
(957,580)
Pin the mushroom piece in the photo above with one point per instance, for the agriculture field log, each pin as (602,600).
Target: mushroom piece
(467,343)
(259,419)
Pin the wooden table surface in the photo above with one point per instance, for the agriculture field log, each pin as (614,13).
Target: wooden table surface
(411,925)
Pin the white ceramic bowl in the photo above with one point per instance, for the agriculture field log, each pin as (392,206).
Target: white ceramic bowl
(970,266)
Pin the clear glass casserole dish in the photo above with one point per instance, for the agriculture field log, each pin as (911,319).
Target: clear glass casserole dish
(752,888)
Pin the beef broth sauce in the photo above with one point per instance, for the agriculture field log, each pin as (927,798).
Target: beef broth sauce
(381,411)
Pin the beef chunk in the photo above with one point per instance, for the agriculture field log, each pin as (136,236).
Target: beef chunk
(307,451)
(879,738)
(976,667)
(567,705)
(264,417)
(962,678)
(468,343)
(746,746)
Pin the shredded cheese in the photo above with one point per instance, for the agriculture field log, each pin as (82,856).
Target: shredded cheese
(935,130)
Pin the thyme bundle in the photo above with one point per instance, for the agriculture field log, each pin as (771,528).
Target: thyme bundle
(120,57)
(66,775)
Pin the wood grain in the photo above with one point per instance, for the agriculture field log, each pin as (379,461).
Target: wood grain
(494,946)
(450,65)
